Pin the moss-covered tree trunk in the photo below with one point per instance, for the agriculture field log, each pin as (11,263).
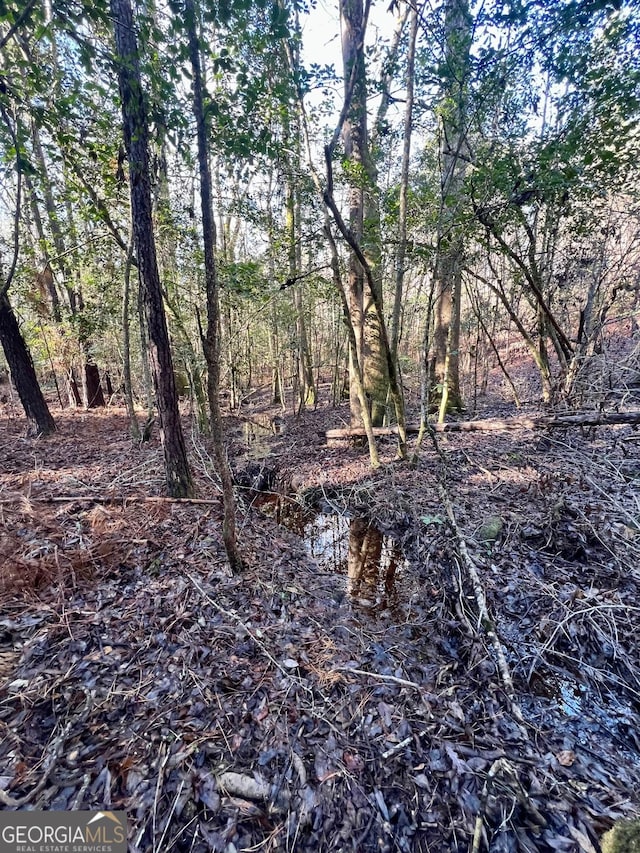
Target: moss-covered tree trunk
(364,221)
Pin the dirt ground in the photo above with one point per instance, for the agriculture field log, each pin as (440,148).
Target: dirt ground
(298,707)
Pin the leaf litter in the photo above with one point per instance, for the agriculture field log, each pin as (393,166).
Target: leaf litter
(273,711)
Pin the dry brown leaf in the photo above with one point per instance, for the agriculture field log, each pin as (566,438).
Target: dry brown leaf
(353,762)
(566,757)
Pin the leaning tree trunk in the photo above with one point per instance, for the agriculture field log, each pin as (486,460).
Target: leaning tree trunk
(211,341)
(134,115)
(23,373)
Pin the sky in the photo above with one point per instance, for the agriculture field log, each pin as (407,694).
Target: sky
(321,43)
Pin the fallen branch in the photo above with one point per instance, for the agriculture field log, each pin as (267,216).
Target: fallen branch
(398,747)
(379,676)
(109,499)
(484,619)
(583,419)
(483,612)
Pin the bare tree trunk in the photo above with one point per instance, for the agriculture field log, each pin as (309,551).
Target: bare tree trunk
(277,389)
(46,277)
(211,342)
(307,391)
(404,184)
(305,364)
(178,474)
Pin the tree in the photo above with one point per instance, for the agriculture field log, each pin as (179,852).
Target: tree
(39,419)
(135,128)
(401,252)
(454,157)
(211,339)
(364,219)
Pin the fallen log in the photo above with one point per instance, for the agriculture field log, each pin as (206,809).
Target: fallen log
(583,419)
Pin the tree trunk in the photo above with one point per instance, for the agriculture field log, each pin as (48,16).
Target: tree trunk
(211,342)
(306,385)
(305,365)
(134,426)
(64,260)
(364,221)
(94,395)
(179,483)
(404,185)
(453,159)
(277,389)
(46,277)
(39,420)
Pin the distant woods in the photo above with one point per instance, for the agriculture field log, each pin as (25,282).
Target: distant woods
(192,207)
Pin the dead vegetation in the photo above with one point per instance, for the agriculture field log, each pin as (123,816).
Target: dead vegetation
(272,711)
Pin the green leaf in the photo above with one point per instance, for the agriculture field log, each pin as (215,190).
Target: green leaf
(432,519)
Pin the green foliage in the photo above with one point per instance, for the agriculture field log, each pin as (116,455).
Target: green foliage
(245,279)
(623,838)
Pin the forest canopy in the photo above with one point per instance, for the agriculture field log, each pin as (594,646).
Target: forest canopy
(191,205)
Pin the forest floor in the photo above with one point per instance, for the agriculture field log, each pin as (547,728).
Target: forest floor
(342,693)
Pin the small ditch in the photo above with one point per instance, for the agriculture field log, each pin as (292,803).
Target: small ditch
(258,438)
(379,580)
(377,574)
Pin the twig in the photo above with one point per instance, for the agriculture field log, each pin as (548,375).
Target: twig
(168,823)
(584,611)
(380,676)
(226,611)
(161,765)
(86,779)
(484,796)
(519,793)
(396,748)
(46,771)
(483,613)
